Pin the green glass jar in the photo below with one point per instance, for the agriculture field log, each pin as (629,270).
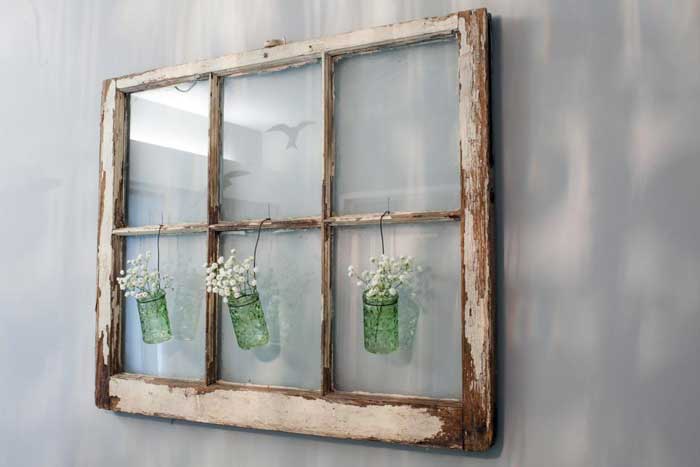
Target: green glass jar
(153,313)
(381,323)
(248,321)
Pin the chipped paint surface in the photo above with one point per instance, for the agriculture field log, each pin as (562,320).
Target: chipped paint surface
(408,31)
(277,411)
(477,242)
(104,247)
(465,424)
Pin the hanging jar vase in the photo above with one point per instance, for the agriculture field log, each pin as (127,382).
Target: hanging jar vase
(153,314)
(148,288)
(381,323)
(236,283)
(248,320)
(380,298)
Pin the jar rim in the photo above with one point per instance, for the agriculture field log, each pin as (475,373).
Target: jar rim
(243,300)
(380,300)
(160,294)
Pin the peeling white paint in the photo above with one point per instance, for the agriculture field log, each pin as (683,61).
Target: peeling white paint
(277,411)
(477,282)
(408,31)
(104,246)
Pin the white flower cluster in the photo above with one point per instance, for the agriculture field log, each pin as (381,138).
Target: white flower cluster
(139,282)
(389,275)
(231,277)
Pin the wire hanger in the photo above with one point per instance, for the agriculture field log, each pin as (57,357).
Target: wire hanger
(160,227)
(255,251)
(192,85)
(381,220)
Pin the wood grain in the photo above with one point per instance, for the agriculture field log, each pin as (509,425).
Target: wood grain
(328,96)
(477,242)
(463,424)
(168,229)
(395,218)
(109,253)
(294,411)
(295,52)
(274,224)
(213,203)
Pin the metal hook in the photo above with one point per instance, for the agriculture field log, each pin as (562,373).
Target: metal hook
(194,83)
(255,251)
(381,221)
(158,245)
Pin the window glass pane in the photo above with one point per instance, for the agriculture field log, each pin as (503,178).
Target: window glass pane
(289,285)
(272,144)
(396,130)
(181,257)
(167,161)
(428,359)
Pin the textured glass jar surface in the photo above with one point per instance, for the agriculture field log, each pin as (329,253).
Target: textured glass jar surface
(248,321)
(381,324)
(153,314)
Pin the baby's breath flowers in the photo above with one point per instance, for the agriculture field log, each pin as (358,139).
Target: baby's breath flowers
(139,282)
(384,281)
(231,277)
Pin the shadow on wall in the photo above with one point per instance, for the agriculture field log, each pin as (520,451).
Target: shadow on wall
(597,253)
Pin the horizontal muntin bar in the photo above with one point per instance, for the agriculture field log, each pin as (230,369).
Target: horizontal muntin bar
(395,217)
(166,229)
(253,224)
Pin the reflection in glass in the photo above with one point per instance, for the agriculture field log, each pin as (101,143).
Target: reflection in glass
(272,144)
(182,356)
(429,312)
(167,160)
(396,130)
(289,285)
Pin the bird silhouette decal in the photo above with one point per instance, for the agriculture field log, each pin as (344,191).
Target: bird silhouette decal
(292,132)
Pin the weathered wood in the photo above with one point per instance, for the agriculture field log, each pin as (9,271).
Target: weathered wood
(255,60)
(374,398)
(254,224)
(213,203)
(395,218)
(215,148)
(212,318)
(477,243)
(292,411)
(464,424)
(168,229)
(111,202)
(326,230)
(121,151)
(270,67)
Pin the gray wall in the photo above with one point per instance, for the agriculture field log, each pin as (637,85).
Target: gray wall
(596,143)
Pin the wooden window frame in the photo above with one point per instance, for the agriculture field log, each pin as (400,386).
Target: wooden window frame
(465,424)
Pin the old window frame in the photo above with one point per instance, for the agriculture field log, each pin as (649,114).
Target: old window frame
(466,424)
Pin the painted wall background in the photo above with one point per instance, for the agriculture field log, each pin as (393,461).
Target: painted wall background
(596,144)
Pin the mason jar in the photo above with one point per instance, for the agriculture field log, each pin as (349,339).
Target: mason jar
(381,323)
(248,321)
(153,314)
